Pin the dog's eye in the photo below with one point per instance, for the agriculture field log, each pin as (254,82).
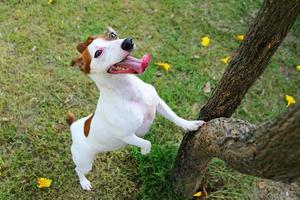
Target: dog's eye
(98,53)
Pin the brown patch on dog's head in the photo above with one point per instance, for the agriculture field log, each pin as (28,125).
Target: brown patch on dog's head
(87,125)
(84,60)
(82,46)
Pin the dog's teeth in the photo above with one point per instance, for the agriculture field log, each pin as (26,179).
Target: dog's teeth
(119,68)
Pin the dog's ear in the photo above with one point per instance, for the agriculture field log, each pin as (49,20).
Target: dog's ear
(111,34)
(82,46)
(83,62)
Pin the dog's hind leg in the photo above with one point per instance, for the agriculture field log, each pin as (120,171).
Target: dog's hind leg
(83,161)
(165,111)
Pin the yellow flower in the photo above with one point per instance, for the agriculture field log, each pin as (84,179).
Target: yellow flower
(239,37)
(198,194)
(298,68)
(50,1)
(290,100)
(205,41)
(44,182)
(165,66)
(226,60)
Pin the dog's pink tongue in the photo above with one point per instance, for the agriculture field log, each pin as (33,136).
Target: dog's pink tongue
(139,65)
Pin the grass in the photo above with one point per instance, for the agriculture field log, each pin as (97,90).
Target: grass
(37,88)
(154,171)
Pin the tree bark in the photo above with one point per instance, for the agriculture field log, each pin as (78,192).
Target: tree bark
(271,150)
(268,30)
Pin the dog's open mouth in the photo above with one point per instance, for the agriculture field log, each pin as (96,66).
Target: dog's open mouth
(131,65)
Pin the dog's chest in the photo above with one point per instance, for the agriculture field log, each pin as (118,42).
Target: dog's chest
(144,111)
(146,108)
(143,104)
(133,109)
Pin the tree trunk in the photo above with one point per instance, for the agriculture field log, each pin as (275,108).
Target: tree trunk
(270,27)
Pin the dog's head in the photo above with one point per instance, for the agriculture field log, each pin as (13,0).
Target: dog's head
(107,54)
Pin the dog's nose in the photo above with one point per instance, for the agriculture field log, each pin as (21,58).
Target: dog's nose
(127,44)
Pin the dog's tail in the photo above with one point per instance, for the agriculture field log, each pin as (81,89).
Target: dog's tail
(70,118)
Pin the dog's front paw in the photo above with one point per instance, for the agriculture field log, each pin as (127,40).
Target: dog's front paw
(192,125)
(85,184)
(146,149)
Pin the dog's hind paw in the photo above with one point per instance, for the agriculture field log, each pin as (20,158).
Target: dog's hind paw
(192,125)
(146,149)
(86,184)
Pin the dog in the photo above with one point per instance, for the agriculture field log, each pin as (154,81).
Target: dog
(126,107)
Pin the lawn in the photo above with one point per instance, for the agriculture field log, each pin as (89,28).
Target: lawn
(38,88)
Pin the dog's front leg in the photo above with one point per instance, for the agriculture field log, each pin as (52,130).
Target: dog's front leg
(145,145)
(165,111)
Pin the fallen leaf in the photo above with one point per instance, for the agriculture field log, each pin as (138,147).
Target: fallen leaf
(239,37)
(198,194)
(50,1)
(201,194)
(207,87)
(225,60)
(44,182)
(290,100)
(205,41)
(165,66)
(298,68)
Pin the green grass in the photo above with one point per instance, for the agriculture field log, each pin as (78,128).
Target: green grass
(154,171)
(37,88)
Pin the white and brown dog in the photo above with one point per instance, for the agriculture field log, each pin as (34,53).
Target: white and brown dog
(126,108)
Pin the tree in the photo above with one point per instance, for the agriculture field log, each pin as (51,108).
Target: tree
(271,150)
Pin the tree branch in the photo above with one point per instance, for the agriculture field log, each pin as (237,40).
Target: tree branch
(271,150)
